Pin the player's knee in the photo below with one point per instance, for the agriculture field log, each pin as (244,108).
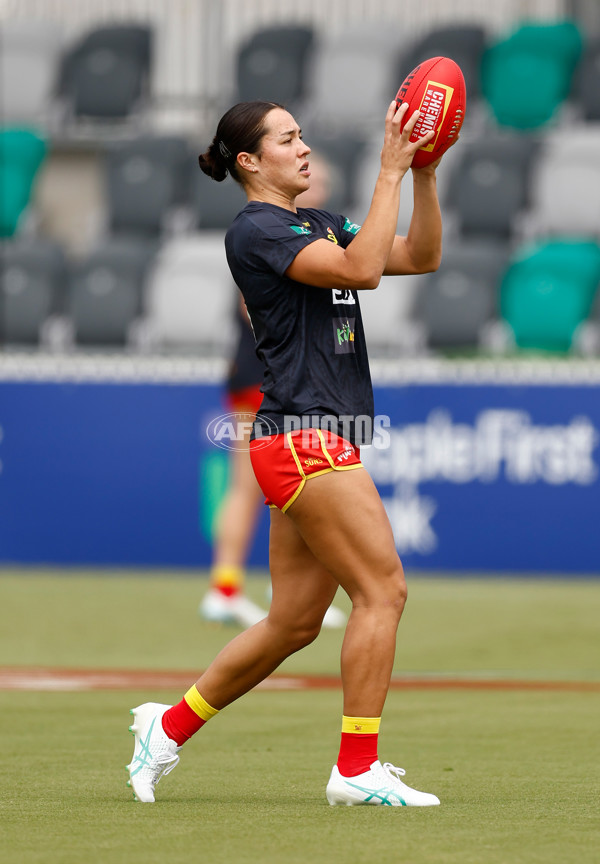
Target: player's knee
(294,635)
(386,591)
(304,634)
(394,594)
(401,589)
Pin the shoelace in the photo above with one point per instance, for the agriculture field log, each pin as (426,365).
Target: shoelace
(394,772)
(168,761)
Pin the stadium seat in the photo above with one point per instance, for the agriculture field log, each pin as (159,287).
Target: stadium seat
(214,205)
(145,178)
(586,338)
(565,185)
(22,152)
(366,172)
(33,284)
(387,313)
(272,64)
(459,301)
(29,63)
(105,75)
(106,292)
(586,87)
(351,79)
(343,152)
(464,44)
(489,185)
(548,291)
(526,77)
(190,296)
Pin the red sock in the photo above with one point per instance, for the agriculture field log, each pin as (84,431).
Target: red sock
(358,748)
(180,722)
(184,719)
(227,579)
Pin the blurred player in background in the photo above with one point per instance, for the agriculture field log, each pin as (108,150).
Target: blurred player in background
(226,601)
(300,272)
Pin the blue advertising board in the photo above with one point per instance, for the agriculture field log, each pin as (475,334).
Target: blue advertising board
(479,475)
(491,477)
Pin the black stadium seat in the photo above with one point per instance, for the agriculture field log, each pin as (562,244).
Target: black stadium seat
(105,76)
(460,299)
(271,64)
(490,184)
(32,287)
(106,291)
(145,177)
(462,43)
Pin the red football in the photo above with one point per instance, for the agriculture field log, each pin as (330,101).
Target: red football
(437,88)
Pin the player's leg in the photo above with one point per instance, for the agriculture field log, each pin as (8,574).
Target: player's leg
(336,531)
(302,592)
(226,601)
(237,518)
(342,519)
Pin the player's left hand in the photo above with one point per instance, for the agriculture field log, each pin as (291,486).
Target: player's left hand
(431,168)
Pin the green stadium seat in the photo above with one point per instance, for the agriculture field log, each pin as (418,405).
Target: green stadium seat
(527,76)
(560,39)
(548,291)
(21,154)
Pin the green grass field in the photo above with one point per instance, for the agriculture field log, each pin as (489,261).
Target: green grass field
(516,770)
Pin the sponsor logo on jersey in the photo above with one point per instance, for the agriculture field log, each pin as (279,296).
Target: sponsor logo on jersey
(343,296)
(352,227)
(343,456)
(300,229)
(343,331)
(331,236)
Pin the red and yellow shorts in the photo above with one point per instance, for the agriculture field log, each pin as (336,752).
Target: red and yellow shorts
(283,463)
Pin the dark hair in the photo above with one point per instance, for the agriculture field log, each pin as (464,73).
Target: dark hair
(240,130)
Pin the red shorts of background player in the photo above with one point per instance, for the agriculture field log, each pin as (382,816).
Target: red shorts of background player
(245,401)
(283,463)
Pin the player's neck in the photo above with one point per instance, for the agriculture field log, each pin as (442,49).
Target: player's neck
(269,196)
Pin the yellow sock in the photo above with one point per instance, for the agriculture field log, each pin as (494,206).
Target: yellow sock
(227,579)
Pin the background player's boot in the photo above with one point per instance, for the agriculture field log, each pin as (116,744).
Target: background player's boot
(334,618)
(234,609)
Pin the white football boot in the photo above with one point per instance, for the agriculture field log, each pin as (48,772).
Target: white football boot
(237,609)
(334,619)
(380,785)
(154,754)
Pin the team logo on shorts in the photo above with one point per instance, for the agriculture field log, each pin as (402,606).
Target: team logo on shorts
(343,334)
(308,463)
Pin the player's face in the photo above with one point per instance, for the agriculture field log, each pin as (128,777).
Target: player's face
(283,160)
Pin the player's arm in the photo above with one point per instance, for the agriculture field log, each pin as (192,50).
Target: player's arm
(421,250)
(361,264)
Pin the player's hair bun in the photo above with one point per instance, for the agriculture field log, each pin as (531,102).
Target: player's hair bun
(214,163)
